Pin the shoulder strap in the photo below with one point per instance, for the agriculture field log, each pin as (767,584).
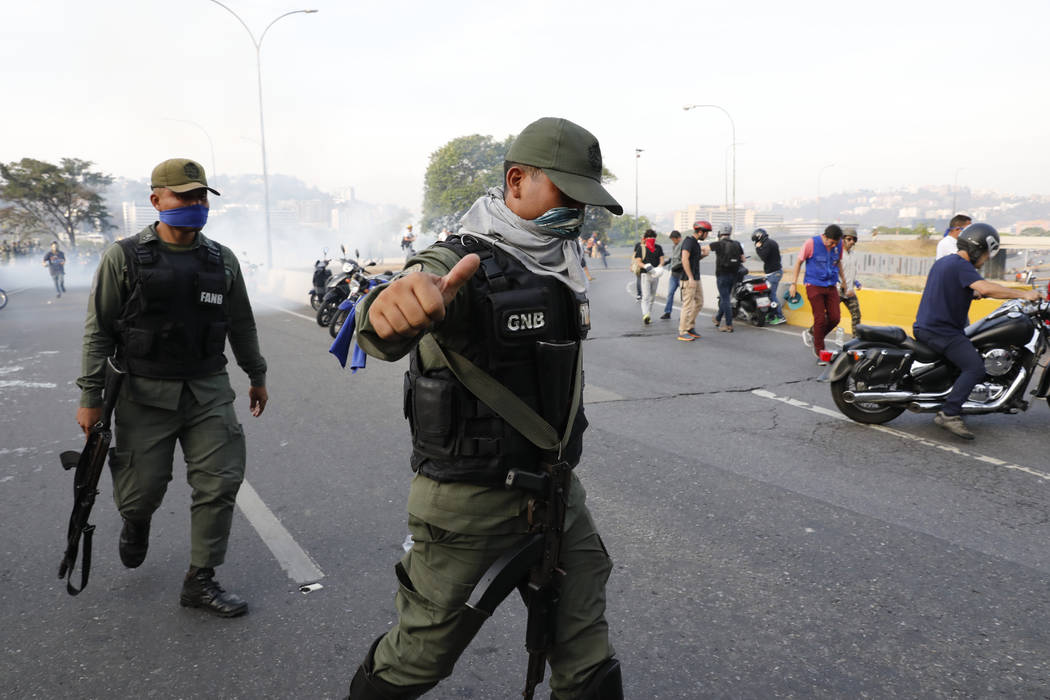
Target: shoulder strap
(501,400)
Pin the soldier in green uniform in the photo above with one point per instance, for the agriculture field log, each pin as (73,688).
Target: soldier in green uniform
(509,282)
(164,302)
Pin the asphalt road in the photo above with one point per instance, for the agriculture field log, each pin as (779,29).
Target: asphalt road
(764,546)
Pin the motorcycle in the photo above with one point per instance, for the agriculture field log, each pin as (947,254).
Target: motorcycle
(338,287)
(750,300)
(882,372)
(321,276)
(359,287)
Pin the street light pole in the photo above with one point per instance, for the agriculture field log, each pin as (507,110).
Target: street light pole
(637,157)
(732,125)
(262,127)
(819,175)
(211,145)
(955,184)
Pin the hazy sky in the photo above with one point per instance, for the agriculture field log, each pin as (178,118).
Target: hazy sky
(891,93)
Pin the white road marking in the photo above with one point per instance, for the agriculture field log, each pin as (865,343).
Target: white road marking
(292,558)
(288,311)
(903,435)
(595,394)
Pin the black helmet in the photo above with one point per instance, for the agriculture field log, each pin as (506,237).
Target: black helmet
(759,236)
(975,239)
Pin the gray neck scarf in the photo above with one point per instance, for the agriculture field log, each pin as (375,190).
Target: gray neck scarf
(491,219)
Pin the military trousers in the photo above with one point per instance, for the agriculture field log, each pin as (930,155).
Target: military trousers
(436,578)
(212,442)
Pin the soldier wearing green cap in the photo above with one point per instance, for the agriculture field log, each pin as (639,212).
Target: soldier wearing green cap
(163,303)
(499,309)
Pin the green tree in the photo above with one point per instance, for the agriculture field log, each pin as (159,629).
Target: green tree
(459,172)
(42,197)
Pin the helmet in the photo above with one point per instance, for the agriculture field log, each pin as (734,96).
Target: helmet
(702,226)
(759,236)
(725,230)
(975,239)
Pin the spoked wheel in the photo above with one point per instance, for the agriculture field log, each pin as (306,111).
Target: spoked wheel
(337,321)
(862,412)
(326,312)
(315,301)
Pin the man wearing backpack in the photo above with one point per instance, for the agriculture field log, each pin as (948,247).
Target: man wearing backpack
(676,272)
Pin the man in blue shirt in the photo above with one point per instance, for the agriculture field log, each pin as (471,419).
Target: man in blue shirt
(943,314)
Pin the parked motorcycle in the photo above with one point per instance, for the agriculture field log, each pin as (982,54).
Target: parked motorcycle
(321,276)
(750,300)
(359,287)
(882,372)
(340,286)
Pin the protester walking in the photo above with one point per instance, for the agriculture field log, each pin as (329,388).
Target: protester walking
(822,256)
(769,252)
(729,258)
(649,259)
(675,270)
(55,261)
(850,283)
(692,291)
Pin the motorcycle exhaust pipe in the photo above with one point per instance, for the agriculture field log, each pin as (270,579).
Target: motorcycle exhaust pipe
(889,396)
(971,407)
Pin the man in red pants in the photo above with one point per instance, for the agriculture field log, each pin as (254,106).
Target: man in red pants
(823,257)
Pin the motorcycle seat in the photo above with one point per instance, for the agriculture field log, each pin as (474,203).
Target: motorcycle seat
(921,351)
(883,334)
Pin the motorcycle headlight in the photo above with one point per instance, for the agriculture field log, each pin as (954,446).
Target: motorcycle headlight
(347,267)
(354,286)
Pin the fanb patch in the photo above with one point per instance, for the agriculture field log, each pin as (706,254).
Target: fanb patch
(191,171)
(594,156)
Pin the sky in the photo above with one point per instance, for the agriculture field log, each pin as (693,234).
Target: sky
(830,95)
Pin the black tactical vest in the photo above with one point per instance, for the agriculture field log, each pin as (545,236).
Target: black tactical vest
(456,437)
(173,325)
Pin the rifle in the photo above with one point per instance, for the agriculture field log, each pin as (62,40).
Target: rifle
(532,568)
(88,463)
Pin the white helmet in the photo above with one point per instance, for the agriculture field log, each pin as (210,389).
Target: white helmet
(725,230)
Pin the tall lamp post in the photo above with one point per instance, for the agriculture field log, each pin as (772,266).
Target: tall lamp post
(637,157)
(211,145)
(733,127)
(955,185)
(262,130)
(819,175)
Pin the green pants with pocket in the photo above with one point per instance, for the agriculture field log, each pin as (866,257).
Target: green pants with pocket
(436,578)
(212,442)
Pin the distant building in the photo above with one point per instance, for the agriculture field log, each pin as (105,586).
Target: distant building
(135,218)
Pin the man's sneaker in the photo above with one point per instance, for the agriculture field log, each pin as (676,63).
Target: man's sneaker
(201,590)
(692,332)
(686,337)
(646,320)
(807,337)
(777,321)
(665,316)
(954,425)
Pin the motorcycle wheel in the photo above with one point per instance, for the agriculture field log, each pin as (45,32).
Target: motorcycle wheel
(861,412)
(337,321)
(759,319)
(326,312)
(315,301)
(3,298)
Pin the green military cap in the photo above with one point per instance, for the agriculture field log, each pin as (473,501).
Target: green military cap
(569,155)
(180,175)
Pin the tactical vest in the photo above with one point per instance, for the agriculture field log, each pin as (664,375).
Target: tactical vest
(173,325)
(456,437)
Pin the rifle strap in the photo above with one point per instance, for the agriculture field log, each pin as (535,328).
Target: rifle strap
(501,400)
(85,564)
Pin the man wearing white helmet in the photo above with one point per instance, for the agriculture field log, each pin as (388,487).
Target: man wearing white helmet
(729,256)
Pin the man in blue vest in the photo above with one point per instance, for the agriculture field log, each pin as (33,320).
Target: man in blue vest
(823,257)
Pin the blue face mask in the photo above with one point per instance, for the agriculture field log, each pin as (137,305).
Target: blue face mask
(192,216)
(561,222)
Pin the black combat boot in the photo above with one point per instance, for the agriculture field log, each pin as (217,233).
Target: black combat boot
(134,541)
(605,683)
(365,686)
(201,590)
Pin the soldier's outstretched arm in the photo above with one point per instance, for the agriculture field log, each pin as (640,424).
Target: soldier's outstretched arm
(412,304)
